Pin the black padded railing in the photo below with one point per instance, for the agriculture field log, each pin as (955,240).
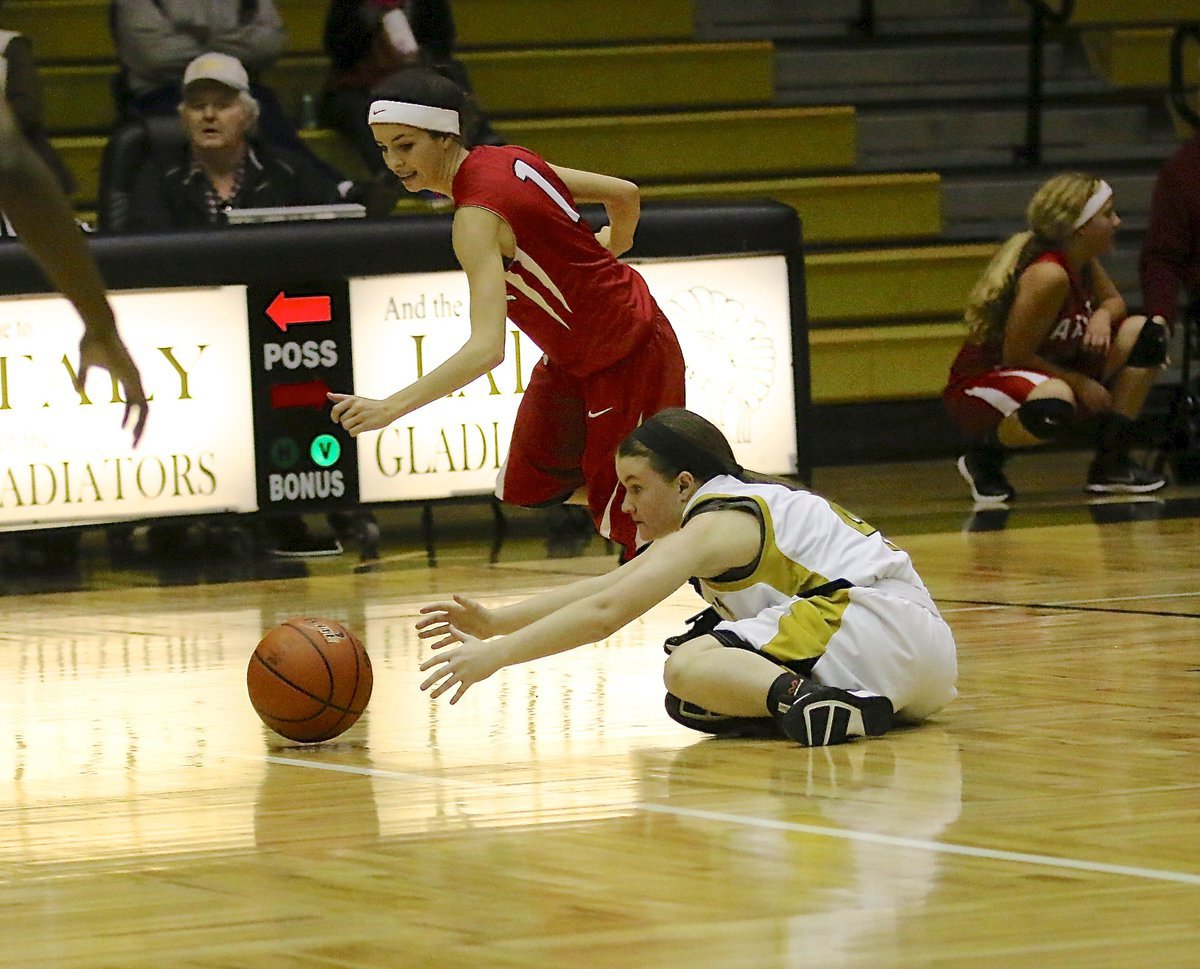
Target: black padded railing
(299,252)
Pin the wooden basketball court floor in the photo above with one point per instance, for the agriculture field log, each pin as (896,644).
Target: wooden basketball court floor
(1049,817)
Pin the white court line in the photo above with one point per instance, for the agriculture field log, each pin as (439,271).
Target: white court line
(391,775)
(939,847)
(1019,857)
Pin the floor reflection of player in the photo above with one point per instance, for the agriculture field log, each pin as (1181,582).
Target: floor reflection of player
(852,895)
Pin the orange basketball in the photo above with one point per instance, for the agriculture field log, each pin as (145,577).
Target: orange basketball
(309,679)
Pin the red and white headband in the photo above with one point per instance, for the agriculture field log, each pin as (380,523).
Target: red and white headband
(417,115)
(1094,204)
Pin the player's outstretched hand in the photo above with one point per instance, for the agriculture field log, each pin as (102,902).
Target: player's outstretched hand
(459,668)
(462,613)
(359,414)
(104,349)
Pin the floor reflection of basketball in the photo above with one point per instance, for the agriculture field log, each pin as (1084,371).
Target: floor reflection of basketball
(309,679)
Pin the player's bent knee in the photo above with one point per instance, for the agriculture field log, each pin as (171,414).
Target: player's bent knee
(1046,417)
(680,661)
(1150,347)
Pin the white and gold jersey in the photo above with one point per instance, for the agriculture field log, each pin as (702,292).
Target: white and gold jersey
(831,598)
(807,542)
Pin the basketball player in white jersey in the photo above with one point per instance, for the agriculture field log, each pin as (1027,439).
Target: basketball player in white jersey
(819,629)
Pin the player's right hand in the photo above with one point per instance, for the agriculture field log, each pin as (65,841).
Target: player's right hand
(464,614)
(359,414)
(459,669)
(105,349)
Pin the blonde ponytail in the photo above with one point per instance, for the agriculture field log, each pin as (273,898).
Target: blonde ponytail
(1051,216)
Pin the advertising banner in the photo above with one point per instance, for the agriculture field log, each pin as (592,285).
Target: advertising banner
(732,316)
(63,455)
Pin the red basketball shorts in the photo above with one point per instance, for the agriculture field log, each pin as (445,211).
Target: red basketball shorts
(980,403)
(568,429)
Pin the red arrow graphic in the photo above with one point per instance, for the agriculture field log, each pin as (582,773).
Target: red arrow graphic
(286,311)
(310,393)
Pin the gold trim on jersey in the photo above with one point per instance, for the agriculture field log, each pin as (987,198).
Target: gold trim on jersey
(809,622)
(805,630)
(774,568)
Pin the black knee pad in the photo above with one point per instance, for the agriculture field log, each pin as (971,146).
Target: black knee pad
(1150,348)
(718,724)
(1045,418)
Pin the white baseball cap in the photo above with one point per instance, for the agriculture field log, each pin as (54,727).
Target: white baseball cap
(221,68)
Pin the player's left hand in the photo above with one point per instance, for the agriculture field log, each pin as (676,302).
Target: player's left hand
(359,414)
(462,667)
(106,350)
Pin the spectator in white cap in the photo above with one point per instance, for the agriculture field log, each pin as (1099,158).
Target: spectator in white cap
(222,166)
(156,40)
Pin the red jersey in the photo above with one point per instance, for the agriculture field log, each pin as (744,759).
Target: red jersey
(585,309)
(1062,346)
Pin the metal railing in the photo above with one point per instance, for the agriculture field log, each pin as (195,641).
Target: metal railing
(1045,14)
(865,24)
(1041,14)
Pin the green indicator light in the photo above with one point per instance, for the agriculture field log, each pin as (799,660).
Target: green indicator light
(325,450)
(284,452)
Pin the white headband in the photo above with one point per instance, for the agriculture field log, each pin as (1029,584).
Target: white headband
(1094,204)
(417,115)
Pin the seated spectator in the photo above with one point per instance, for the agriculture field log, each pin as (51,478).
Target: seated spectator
(1050,344)
(22,89)
(367,42)
(1169,267)
(157,39)
(222,166)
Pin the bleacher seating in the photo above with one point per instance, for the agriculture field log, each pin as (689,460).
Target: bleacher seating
(684,97)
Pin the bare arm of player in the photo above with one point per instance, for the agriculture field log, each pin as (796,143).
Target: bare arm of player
(33,201)
(708,545)
(621,200)
(1041,290)
(475,619)
(476,237)
(1110,308)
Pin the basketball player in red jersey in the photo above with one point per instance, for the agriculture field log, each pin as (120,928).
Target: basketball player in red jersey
(1051,343)
(610,358)
(34,203)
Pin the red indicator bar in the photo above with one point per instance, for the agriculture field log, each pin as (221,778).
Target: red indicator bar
(311,393)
